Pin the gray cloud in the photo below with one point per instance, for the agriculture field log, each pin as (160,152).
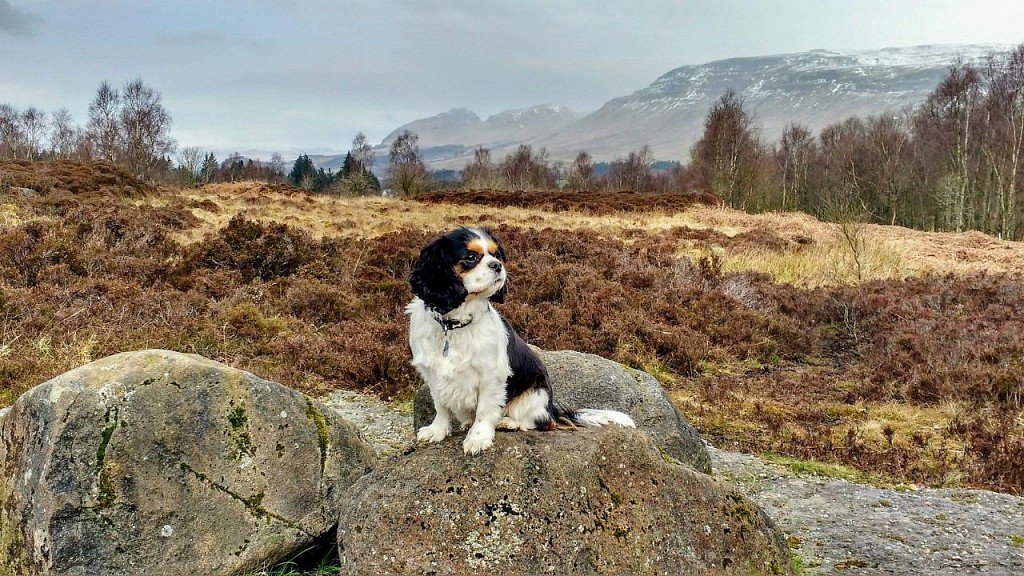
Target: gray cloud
(306,76)
(17,22)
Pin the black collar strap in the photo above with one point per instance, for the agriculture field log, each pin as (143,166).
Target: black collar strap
(448,324)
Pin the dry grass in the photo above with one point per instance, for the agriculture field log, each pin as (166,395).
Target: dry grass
(815,254)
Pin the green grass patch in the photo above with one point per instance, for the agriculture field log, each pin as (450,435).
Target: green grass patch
(290,569)
(797,563)
(1017,540)
(836,471)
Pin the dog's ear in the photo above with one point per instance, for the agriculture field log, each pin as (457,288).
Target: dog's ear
(500,253)
(433,277)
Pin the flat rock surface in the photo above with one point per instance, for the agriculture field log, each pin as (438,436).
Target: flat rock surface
(839,527)
(387,428)
(836,527)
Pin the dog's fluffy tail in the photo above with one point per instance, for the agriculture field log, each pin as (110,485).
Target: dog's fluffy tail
(593,418)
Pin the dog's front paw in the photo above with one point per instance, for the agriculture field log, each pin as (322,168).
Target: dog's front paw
(431,434)
(478,440)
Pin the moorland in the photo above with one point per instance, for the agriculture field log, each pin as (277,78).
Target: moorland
(893,352)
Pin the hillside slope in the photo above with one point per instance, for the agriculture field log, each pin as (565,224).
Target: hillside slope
(815,88)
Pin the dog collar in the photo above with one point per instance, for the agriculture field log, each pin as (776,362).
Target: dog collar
(448,325)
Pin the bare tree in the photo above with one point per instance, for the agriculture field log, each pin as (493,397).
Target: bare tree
(104,127)
(33,127)
(406,173)
(794,157)
(190,163)
(525,170)
(581,174)
(362,152)
(63,134)
(277,164)
(1002,138)
(846,210)
(728,160)
(11,136)
(144,124)
(948,113)
(481,173)
(632,173)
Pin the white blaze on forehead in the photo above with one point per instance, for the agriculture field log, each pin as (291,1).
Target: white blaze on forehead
(483,243)
(481,278)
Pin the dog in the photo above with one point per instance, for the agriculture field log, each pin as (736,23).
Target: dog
(479,371)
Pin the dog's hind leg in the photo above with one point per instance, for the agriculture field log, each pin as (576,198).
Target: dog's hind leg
(529,410)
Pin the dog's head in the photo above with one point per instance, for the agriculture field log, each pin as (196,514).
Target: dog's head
(462,265)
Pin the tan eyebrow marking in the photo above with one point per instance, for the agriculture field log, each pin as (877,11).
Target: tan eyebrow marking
(480,247)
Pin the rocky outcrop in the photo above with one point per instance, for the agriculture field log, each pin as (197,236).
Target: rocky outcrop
(594,501)
(157,462)
(587,381)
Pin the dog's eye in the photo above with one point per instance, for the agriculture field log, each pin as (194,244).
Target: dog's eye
(471,257)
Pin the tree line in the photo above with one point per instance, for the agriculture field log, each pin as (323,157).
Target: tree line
(951,163)
(129,126)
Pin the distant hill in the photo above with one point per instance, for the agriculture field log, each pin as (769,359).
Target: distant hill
(815,88)
(464,127)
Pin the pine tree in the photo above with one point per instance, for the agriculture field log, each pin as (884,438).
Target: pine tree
(349,166)
(208,169)
(303,174)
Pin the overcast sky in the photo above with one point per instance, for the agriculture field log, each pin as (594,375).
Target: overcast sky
(290,76)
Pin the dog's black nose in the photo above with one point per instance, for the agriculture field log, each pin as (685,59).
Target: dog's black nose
(495,265)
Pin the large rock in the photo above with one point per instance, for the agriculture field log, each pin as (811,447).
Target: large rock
(596,501)
(157,462)
(587,381)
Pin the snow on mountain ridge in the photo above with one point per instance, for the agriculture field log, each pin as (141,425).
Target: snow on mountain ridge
(815,88)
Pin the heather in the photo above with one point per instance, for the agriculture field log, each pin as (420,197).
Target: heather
(915,378)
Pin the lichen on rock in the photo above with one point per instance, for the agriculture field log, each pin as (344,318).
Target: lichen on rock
(593,501)
(158,462)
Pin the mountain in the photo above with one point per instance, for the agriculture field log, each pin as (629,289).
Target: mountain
(463,127)
(815,88)
(456,126)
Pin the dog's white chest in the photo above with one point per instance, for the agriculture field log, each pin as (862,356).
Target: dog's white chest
(476,355)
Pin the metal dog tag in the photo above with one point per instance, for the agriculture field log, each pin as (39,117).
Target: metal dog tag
(444,351)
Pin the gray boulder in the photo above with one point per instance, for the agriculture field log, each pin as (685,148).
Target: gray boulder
(156,462)
(587,381)
(593,501)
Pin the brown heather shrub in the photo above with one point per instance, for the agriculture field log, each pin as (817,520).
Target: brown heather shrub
(26,251)
(256,250)
(933,339)
(635,304)
(563,201)
(98,178)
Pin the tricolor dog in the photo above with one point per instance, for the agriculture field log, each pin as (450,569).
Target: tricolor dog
(480,372)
